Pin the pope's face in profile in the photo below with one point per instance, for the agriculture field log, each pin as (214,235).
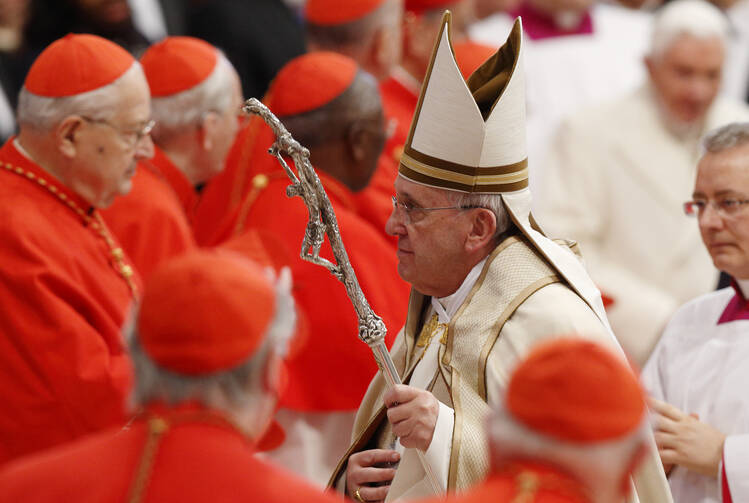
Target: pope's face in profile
(431,243)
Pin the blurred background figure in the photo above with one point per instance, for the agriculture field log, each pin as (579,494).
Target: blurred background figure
(572,427)
(156,19)
(616,176)
(14,15)
(110,19)
(421,24)
(486,8)
(367,31)
(207,344)
(577,53)
(698,371)
(258,37)
(736,73)
(196,97)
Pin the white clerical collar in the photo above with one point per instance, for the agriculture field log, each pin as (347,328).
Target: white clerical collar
(446,307)
(743,286)
(21,150)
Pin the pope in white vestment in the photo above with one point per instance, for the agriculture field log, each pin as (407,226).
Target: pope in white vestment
(516,287)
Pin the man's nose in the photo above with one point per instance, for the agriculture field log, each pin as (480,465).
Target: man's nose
(144,149)
(710,217)
(396,224)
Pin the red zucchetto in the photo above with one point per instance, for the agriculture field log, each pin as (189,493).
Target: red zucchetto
(310,81)
(205,312)
(335,12)
(576,391)
(177,64)
(76,64)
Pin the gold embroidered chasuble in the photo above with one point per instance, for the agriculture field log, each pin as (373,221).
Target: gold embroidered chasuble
(512,273)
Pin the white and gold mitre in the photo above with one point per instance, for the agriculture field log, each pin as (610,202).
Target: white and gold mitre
(470,136)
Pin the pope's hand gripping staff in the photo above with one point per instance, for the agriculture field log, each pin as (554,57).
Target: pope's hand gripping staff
(322,221)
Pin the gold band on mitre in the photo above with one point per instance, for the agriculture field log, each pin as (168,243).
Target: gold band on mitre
(448,175)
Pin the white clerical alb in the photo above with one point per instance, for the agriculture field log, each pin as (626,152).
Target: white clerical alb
(700,367)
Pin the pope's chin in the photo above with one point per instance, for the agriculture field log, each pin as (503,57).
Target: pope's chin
(405,270)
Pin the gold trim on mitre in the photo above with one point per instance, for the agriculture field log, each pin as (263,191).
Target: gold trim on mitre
(470,136)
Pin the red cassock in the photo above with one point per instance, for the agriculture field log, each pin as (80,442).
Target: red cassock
(524,481)
(179,455)
(177,180)
(332,367)
(65,290)
(399,104)
(150,221)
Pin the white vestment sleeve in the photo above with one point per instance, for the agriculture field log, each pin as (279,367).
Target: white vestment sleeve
(438,453)
(736,466)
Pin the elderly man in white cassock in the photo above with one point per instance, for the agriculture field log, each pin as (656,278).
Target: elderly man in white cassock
(486,286)
(698,372)
(617,174)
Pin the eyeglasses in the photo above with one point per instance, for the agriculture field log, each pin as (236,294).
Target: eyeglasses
(409,210)
(726,208)
(131,136)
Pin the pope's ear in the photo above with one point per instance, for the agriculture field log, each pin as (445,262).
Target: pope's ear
(67,135)
(483,228)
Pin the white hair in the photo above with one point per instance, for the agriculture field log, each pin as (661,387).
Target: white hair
(44,113)
(239,386)
(696,18)
(600,467)
(188,108)
(492,202)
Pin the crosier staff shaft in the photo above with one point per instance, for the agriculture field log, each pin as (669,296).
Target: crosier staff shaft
(322,221)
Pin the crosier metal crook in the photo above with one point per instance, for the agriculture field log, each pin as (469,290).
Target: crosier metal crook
(322,221)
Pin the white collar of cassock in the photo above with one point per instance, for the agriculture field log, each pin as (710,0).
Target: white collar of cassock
(446,307)
(21,150)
